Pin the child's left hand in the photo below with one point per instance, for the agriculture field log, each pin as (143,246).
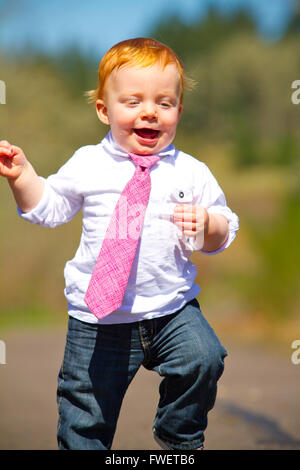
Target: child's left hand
(193,220)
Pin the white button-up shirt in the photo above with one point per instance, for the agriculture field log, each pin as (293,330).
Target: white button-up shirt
(162,276)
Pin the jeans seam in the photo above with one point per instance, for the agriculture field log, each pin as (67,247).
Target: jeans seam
(62,372)
(144,343)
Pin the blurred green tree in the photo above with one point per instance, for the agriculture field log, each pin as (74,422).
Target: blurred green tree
(275,289)
(243,86)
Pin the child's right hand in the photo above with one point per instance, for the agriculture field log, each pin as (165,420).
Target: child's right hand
(12,160)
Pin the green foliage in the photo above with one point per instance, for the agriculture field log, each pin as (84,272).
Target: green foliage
(30,316)
(78,71)
(275,288)
(201,38)
(243,91)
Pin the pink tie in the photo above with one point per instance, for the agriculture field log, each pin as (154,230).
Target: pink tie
(111,272)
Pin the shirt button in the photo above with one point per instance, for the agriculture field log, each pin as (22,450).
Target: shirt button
(181,194)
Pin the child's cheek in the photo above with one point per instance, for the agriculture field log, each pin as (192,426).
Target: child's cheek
(171,120)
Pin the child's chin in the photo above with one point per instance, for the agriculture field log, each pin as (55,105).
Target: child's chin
(142,150)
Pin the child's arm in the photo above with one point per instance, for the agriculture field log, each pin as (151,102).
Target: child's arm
(25,184)
(210,231)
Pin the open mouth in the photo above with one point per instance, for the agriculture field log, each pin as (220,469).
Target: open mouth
(149,134)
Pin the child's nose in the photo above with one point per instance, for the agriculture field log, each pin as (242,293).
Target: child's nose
(149,111)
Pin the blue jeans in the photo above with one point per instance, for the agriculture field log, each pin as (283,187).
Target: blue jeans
(100,361)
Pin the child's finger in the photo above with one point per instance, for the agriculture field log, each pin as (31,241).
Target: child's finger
(186,216)
(5,144)
(192,214)
(183,208)
(15,150)
(190,226)
(6,152)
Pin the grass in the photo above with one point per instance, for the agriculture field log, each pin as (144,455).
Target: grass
(30,317)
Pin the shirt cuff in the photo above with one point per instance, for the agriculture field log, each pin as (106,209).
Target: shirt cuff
(233,227)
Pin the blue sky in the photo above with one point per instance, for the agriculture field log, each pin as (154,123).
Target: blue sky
(95,25)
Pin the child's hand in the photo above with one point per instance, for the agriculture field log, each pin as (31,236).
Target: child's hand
(12,160)
(193,220)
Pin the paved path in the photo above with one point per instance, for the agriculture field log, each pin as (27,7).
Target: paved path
(258,404)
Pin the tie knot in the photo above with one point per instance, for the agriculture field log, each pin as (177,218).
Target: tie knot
(144,162)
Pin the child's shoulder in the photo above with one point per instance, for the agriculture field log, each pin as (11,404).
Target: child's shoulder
(189,162)
(84,158)
(89,150)
(89,154)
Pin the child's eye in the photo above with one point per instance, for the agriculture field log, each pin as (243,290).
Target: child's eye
(165,104)
(132,102)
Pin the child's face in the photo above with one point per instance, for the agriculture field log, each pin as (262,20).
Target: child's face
(142,107)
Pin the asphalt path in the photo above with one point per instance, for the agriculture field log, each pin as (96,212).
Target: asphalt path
(257,407)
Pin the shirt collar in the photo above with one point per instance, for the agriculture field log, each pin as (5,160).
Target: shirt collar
(112,147)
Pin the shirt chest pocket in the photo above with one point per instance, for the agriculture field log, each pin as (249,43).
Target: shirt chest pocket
(181,194)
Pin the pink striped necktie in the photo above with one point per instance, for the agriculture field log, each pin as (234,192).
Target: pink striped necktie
(112,269)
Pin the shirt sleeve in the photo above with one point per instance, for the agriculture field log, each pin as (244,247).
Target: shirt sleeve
(61,199)
(213,199)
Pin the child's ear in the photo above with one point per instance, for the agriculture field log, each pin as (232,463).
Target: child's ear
(180,111)
(102,111)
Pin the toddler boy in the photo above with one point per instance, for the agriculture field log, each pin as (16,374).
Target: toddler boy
(130,286)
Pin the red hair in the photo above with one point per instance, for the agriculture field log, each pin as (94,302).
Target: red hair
(137,52)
